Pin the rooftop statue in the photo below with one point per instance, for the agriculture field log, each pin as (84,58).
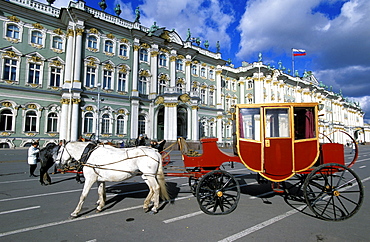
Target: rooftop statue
(117,9)
(296,73)
(280,63)
(137,12)
(153,28)
(259,57)
(206,44)
(188,36)
(218,47)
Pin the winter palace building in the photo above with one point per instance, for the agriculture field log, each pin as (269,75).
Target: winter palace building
(80,72)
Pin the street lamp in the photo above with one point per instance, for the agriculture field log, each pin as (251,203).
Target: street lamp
(98,112)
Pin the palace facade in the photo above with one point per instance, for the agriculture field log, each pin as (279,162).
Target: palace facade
(80,72)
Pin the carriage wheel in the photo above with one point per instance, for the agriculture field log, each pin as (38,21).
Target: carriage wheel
(218,193)
(294,187)
(333,192)
(193,183)
(165,158)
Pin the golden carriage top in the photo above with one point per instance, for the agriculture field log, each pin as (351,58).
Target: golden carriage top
(277,140)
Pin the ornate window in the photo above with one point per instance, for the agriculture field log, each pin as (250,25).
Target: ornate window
(203,72)
(10,69)
(250,84)
(194,70)
(144,55)
(57,43)
(6,120)
(123,51)
(179,65)
(52,122)
(142,85)
(180,88)
(162,60)
(108,47)
(105,124)
(92,42)
(36,37)
(34,73)
(55,76)
(162,86)
(203,96)
(90,77)
(141,126)
(12,31)
(120,124)
(88,123)
(30,122)
(121,85)
(211,74)
(211,97)
(107,79)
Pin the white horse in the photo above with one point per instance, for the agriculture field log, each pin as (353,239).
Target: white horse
(107,163)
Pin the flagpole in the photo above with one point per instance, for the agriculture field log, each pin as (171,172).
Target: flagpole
(292,63)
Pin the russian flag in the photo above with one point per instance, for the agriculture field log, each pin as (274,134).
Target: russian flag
(298,52)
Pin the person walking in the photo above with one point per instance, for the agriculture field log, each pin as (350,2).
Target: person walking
(33,152)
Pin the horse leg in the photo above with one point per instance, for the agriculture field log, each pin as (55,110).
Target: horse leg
(42,172)
(85,191)
(153,195)
(102,196)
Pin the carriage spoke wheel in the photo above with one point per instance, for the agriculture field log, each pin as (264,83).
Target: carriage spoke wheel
(333,192)
(193,183)
(218,193)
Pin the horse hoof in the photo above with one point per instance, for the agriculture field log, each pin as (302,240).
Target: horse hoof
(98,211)
(73,216)
(146,210)
(153,212)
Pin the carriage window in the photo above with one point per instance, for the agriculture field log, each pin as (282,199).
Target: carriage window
(277,122)
(304,123)
(250,123)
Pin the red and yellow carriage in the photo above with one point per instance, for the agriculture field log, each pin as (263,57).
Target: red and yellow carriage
(280,142)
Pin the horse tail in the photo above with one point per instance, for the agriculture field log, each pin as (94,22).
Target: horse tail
(161,181)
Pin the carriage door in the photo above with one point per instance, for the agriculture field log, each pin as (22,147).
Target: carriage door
(278,158)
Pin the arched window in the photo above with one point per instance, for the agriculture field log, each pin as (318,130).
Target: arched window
(162,60)
(211,74)
(194,70)
(108,47)
(12,31)
(123,50)
(36,37)
(31,121)
(143,55)
(6,120)
(120,124)
(105,124)
(203,72)
(52,122)
(179,87)
(57,43)
(250,84)
(179,65)
(92,42)
(88,123)
(141,125)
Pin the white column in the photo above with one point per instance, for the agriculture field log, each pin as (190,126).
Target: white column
(135,69)
(195,123)
(170,121)
(63,129)
(242,92)
(77,61)
(173,70)
(74,120)
(218,89)
(219,126)
(69,57)
(188,75)
(154,72)
(134,118)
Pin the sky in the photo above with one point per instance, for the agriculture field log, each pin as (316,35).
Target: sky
(334,33)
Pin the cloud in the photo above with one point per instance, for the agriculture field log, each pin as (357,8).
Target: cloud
(365,105)
(337,45)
